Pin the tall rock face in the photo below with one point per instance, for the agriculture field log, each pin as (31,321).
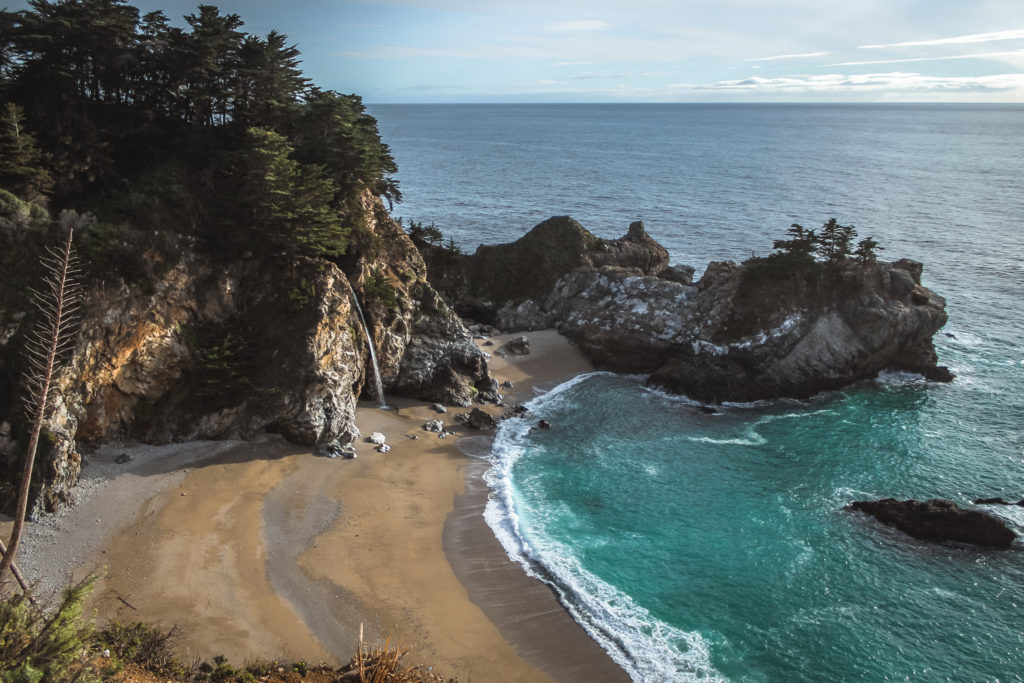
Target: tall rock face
(208,349)
(498,276)
(765,329)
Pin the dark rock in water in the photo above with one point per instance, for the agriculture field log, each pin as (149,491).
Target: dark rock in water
(544,424)
(123,458)
(520,410)
(939,373)
(939,520)
(520,346)
(480,419)
(997,501)
(708,410)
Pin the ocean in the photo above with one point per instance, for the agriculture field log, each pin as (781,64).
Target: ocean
(717,547)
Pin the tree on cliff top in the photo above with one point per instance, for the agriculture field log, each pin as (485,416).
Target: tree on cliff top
(144,123)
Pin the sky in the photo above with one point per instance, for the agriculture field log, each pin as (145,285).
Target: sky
(399,51)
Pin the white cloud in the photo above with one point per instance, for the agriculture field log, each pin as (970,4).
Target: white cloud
(979,55)
(795,56)
(896,81)
(579,25)
(957,40)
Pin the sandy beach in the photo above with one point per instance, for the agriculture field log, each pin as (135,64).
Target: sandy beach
(263,549)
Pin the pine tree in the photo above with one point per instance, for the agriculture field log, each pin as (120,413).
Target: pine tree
(866,250)
(21,166)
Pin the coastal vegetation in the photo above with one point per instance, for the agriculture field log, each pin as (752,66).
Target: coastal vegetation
(62,646)
(204,131)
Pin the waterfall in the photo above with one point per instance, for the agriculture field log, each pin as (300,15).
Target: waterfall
(373,353)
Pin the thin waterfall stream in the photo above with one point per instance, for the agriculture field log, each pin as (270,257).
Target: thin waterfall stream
(369,342)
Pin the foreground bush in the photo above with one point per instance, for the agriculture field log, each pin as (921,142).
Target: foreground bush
(62,647)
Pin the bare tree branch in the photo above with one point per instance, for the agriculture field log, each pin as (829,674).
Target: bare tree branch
(44,346)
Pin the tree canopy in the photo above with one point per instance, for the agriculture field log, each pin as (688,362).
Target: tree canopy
(141,121)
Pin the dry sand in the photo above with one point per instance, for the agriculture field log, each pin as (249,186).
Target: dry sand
(262,549)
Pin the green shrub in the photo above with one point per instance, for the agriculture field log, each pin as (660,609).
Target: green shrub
(36,647)
(142,644)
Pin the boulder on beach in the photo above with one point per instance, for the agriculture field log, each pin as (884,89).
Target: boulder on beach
(519,346)
(481,420)
(434,426)
(939,520)
(377,438)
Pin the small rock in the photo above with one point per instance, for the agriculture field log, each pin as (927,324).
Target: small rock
(377,438)
(520,410)
(939,373)
(182,493)
(383,448)
(438,408)
(544,424)
(443,435)
(434,426)
(520,346)
(707,410)
(507,385)
(997,501)
(123,458)
(488,343)
(414,437)
(480,420)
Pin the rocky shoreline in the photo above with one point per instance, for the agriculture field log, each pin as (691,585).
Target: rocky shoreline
(231,350)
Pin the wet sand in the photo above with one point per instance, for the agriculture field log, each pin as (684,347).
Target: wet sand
(262,549)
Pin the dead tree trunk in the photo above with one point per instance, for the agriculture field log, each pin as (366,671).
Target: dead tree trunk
(58,303)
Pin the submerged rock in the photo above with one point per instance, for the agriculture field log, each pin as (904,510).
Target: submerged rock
(939,520)
(997,501)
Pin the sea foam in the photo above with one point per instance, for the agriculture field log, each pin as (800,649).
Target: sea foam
(647,648)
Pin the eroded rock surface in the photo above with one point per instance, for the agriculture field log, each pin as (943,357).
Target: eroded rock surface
(761,330)
(207,349)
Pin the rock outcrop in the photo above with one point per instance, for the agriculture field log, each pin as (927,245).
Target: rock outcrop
(208,349)
(527,269)
(938,521)
(765,329)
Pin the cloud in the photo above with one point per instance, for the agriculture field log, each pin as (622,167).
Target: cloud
(578,25)
(979,55)
(956,40)
(795,56)
(896,81)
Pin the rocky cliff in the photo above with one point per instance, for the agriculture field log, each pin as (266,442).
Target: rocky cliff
(206,348)
(765,329)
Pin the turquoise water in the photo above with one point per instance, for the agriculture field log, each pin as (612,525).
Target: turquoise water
(728,533)
(700,546)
